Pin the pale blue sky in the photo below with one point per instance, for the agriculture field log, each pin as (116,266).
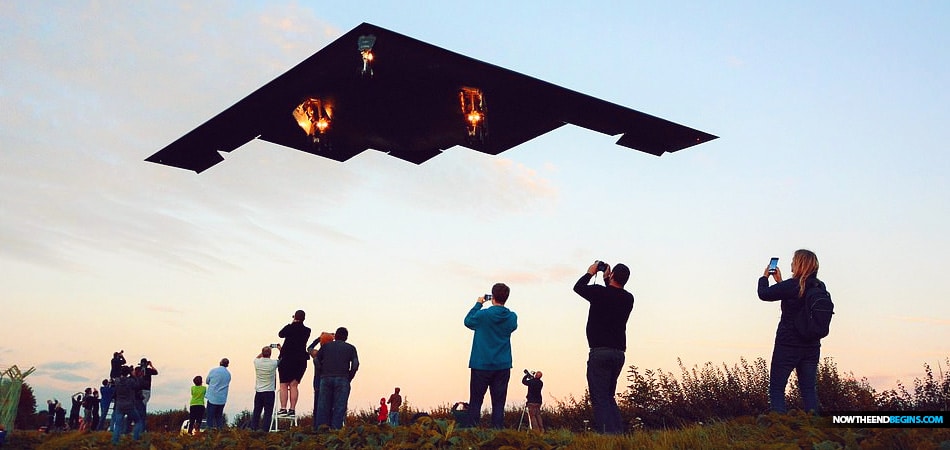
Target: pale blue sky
(833,123)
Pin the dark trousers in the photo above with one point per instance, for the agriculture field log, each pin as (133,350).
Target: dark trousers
(603,367)
(215,416)
(140,407)
(496,383)
(804,360)
(195,415)
(263,403)
(316,400)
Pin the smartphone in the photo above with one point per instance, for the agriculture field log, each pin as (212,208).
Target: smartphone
(273,346)
(773,264)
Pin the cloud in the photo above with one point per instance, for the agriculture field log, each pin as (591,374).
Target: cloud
(67,371)
(924,320)
(517,275)
(465,181)
(55,366)
(75,134)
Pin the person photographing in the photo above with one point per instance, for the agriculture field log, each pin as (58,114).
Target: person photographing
(796,349)
(610,307)
(534,383)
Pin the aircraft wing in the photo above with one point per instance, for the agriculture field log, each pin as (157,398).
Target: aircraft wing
(412,100)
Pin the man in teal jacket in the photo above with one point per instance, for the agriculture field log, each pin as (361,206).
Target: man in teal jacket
(490,360)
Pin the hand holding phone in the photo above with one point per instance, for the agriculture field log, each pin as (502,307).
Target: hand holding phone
(773,264)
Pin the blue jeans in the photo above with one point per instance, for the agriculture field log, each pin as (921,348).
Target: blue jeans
(316,402)
(494,381)
(804,360)
(104,410)
(263,402)
(215,415)
(121,424)
(331,406)
(394,418)
(603,367)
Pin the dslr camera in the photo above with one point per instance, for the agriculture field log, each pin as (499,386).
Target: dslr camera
(601,266)
(144,363)
(529,373)
(488,297)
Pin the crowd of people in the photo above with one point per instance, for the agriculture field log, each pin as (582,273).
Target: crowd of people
(610,306)
(335,364)
(119,402)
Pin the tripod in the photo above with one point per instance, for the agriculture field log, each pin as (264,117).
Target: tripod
(524,409)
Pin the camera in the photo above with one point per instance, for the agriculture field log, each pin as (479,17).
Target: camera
(601,266)
(529,373)
(273,345)
(144,363)
(488,297)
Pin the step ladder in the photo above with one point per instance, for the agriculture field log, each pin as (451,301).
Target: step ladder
(275,420)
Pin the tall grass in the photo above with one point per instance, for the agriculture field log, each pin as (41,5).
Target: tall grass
(702,407)
(658,399)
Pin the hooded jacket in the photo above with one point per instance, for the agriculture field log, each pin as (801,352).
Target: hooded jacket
(491,345)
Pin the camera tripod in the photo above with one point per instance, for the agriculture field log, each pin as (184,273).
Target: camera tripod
(524,409)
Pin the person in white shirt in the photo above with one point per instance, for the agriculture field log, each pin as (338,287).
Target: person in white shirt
(265,383)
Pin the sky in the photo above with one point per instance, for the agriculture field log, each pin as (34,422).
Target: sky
(833,123)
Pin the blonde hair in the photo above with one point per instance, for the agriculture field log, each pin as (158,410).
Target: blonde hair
(807,266)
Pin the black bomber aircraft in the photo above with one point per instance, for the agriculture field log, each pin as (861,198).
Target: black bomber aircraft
(376,89)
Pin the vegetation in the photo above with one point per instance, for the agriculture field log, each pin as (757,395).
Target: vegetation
(705,407)
(657,399)
(791,431)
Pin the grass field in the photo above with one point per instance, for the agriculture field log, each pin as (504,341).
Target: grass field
(792,431)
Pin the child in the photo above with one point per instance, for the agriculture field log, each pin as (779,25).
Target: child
(383,411)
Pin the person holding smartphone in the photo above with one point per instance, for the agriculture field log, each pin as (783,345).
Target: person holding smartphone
(490,358)
(791,350)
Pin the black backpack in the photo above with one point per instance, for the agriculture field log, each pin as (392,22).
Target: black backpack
(814,318)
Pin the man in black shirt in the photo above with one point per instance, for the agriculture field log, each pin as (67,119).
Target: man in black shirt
(610,307)
(533,405)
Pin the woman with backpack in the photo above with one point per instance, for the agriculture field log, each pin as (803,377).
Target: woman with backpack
(796,347)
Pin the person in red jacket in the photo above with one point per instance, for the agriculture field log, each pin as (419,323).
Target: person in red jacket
(383,411)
